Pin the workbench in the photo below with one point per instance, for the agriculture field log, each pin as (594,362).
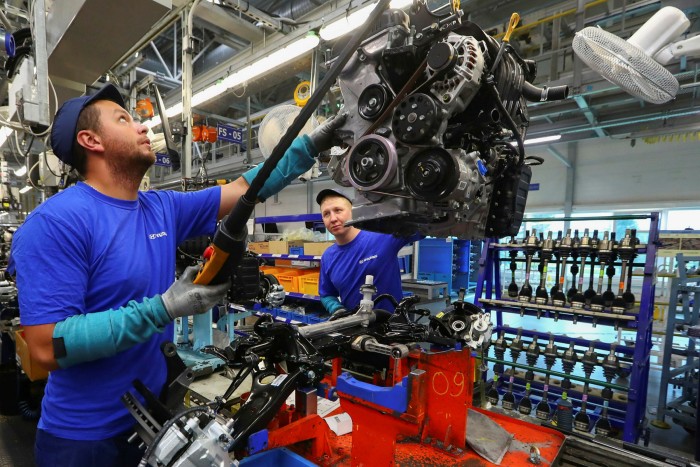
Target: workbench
(425,288)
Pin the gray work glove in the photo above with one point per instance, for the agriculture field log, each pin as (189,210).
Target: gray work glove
(185,298)
(340,313)
(323,135)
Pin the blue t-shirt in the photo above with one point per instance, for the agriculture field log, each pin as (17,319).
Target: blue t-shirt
(83,252)
(344,267)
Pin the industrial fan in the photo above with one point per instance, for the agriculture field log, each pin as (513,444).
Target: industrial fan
(637,64)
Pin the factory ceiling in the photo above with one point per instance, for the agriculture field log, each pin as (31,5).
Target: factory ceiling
(597,109)
(227,32)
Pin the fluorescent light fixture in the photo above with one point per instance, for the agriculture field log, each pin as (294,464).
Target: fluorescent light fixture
(25,189)
(274,60)
(346,24)
(355,19)
(543,139)
(21,171)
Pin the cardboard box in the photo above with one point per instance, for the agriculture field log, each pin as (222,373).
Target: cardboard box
(33,371)
(281,247)
(259,247)
(316,248)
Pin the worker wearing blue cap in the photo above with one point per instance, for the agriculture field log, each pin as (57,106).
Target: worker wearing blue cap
(355,255)
(95,270)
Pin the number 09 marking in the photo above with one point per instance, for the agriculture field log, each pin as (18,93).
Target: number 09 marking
(442,385)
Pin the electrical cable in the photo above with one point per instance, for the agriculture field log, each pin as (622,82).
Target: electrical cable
(225,245)
(48,166)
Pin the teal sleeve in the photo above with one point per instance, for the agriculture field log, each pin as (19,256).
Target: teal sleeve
(331,304)
(299,158)
(103,334)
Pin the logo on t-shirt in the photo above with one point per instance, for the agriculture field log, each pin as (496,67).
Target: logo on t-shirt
(157,235)
(368,259)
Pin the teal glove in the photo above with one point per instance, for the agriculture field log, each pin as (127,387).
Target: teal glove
(299,158)
(331,304)
(83,338)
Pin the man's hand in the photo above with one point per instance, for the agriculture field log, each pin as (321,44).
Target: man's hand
(185,298)
(323,135)
(340,313)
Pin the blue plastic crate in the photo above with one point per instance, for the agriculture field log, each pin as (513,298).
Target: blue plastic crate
(280,457)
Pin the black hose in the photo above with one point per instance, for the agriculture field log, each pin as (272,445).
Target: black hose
(27,412)
(388,296)
(244,208)
(510,123)
(544,94)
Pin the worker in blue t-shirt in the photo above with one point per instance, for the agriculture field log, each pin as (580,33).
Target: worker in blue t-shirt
(356,254)
(95,271)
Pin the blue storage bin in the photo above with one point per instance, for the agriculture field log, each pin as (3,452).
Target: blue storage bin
(296,250)
(435,255)
(279,457)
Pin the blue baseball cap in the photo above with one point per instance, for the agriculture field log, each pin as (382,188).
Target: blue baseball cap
(65,123)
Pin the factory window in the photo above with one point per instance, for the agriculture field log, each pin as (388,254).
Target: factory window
(682,219)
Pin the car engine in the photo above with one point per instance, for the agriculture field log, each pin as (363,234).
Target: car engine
(434,134)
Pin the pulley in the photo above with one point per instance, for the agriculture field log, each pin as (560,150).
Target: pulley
(432,174)
(416,119)
(372,163)
(372,101)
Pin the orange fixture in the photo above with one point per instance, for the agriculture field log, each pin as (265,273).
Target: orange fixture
(206,134)
(144,108)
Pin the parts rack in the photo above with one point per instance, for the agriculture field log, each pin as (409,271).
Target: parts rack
(621,404)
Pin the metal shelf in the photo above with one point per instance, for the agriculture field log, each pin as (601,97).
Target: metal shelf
(302,296)
(296,257)
(681,408)
(639,319)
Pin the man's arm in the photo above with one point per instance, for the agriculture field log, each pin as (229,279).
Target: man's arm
(230,194)
(40,344)
(298,158)
(86,337)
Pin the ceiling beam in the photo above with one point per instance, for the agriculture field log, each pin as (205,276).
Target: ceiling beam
(221,18)
(590,116)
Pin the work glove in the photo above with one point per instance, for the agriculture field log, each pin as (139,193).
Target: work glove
(185,298)
(340,313)
(323,135)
